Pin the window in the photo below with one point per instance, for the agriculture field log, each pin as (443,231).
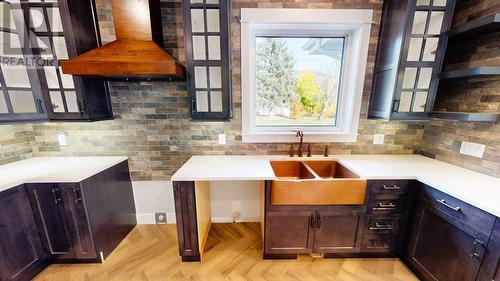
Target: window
(303,69)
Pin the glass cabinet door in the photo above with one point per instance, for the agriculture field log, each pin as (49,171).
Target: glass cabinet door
(207,58)
(422,58)
(46,24)
(20,96)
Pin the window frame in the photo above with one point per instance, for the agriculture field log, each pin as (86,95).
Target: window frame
(354,25)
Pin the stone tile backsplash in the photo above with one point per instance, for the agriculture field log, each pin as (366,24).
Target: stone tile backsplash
(152,122)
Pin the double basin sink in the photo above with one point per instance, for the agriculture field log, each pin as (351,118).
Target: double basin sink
(316,183)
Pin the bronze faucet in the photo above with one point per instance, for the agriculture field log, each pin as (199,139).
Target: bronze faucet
(300,135)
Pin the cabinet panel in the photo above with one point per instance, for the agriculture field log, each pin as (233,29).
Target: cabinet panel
(490,268)
(62,219)
(442,249)
(21,97)
(50,212)
(289,232)
(336,232)
(21,251)
(208,59)
(83,243)
(409,59)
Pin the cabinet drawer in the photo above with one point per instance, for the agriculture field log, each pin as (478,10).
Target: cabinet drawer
(378,243)
(466,214)
(382,224)
(388,186)
(386,205)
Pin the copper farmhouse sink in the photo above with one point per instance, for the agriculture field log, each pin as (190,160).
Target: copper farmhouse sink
(316,183)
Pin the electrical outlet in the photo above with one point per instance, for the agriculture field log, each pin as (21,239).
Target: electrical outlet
(62,139)
(472,149)
(236,216)
(222,138)
(161,218)
(378,139)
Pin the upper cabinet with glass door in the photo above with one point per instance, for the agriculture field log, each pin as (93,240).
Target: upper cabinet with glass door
(410,55)
(208,58)
(56,33)
(20,96)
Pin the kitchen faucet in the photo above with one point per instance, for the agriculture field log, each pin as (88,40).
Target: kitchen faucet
(300,135)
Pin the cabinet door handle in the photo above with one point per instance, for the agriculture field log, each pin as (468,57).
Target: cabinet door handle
(311,221)
(54,194)
(193,105)
(78,195)
(391,187)
(318,221)
(473,251)
(443,202)
(40,106)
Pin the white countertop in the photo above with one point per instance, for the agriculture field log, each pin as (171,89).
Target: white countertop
(474,188)
(54,169)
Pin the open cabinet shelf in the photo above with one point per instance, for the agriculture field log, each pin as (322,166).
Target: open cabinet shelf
(471,72)
(484,25)
(466,116)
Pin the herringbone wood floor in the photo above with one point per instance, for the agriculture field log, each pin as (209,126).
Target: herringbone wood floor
(233,253)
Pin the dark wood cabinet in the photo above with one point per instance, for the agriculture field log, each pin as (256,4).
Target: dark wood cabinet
(208,58)
(443,246)
(65,29)
(63,220)
(289,232)
(43,34)
(490,267)
(338,231)
(85,220)
(326,230)
(410,52)
(21,251)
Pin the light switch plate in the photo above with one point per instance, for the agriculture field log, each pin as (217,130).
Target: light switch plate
(378,139)
(472,149)
(222,138)
(62,139)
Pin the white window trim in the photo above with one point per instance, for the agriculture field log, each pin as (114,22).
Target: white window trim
(356,24)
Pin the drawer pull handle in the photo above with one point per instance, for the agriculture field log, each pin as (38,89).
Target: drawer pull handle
(311,221)
(385,206)
(391,187)
(378,244)
(381,226)
(473,251)
(443,202)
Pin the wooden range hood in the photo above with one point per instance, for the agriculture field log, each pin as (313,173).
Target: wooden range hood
(136,54)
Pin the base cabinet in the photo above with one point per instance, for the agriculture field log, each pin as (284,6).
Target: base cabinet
(448,239)
(64,222)
(338,231)
(289,232)
(313,231)
(62,217)
(490,268)
(21,251)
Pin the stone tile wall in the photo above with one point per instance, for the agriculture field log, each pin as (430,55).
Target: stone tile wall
(15,143)
(152,124)
(442,139)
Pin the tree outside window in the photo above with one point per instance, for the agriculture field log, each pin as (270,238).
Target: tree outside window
(298,80)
